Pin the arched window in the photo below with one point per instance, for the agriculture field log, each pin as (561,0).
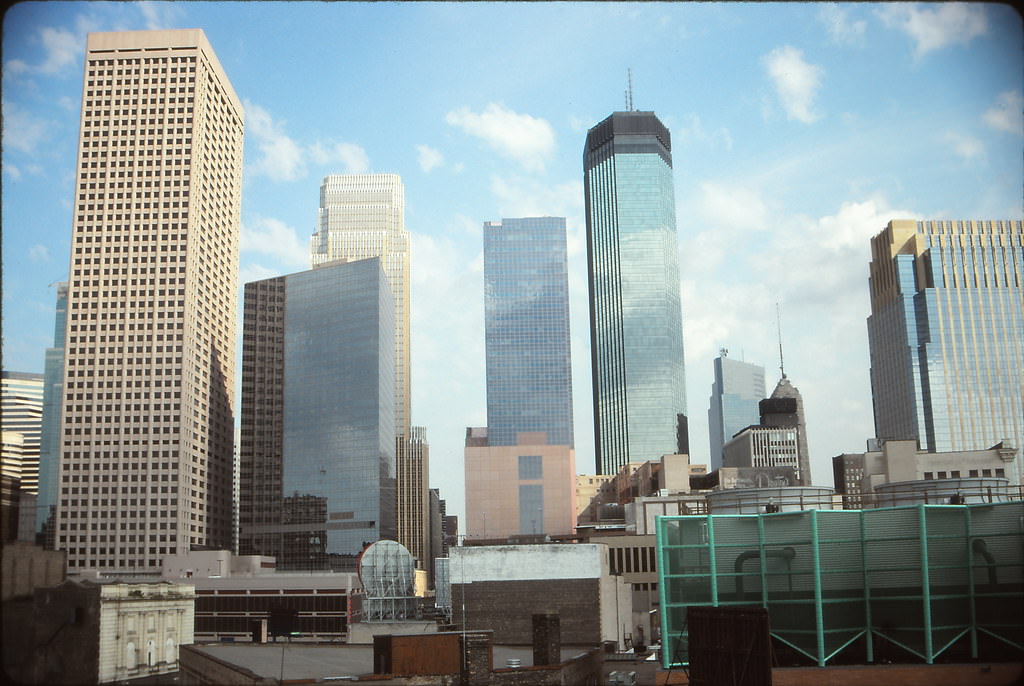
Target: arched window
(151,652)
(170,650)
(131,658)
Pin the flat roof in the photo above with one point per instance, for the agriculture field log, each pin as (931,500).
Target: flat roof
(300,660)
(305,661)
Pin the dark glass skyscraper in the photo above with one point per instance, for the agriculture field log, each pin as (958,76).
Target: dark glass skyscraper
(946,334)
(526,320)
(317,436)
(636,326)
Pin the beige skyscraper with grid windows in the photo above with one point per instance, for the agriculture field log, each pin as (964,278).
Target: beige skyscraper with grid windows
(149,382)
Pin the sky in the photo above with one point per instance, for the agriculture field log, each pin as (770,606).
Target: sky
(798,131)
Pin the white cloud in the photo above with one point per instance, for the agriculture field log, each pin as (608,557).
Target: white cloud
(273,237)
(21,130)
(12,171)
(967,147)
(525,197)
(160,15)
(937,26)
(16,66)
(839,26)
(39,253)
(733,206)
(62,48)
(526,139)
(352,158)
(579,125)
(446,279)
(249,272)
(281,157)
(796,82)
(693,130)
(428,157)
(1007,114)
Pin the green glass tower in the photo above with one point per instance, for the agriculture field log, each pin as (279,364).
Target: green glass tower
(636,324)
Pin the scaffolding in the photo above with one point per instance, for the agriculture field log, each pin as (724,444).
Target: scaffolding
(922,577)
(387,572)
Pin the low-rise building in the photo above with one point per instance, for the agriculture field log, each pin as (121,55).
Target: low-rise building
(499,588)
(236,595)
(87,632)
(27,567)
(902,461)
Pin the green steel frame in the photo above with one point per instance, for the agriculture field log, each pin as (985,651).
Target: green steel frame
(922,577)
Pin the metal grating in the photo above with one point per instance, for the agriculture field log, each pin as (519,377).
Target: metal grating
(922,577)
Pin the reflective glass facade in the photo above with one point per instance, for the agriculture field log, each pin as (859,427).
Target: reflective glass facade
(361,216)
(49,439)
(318,448)
(526,322)
(946,334)
(737,389)
(639,379)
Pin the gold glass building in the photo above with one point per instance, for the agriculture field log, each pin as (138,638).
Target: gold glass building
(946,334)
(149,381)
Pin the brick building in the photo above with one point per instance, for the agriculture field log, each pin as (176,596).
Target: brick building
(501,587)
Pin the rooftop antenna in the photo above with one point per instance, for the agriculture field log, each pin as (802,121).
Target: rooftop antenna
(629,90)
(778,325)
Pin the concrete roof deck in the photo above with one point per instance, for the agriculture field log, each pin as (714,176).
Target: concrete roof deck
(318,661)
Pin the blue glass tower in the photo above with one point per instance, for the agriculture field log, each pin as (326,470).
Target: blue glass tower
(946,334)
(526,322)
(317,450)
(735,393)
(636,324)
(49,440)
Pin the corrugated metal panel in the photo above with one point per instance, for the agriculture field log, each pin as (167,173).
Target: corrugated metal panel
(820,573)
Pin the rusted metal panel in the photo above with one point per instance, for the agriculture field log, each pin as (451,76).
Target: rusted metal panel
(729,646)
(422,654)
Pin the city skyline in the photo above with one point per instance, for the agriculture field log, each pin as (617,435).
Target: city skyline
(737,389)
(793,146)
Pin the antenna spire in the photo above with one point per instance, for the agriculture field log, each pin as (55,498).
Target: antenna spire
(629,90)
(778,324)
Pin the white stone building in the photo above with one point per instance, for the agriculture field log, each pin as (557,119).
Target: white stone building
(141,627)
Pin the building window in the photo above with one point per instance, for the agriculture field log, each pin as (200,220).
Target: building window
(531,467)
(531,509)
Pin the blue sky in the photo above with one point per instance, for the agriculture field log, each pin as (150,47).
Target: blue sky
(798,131)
